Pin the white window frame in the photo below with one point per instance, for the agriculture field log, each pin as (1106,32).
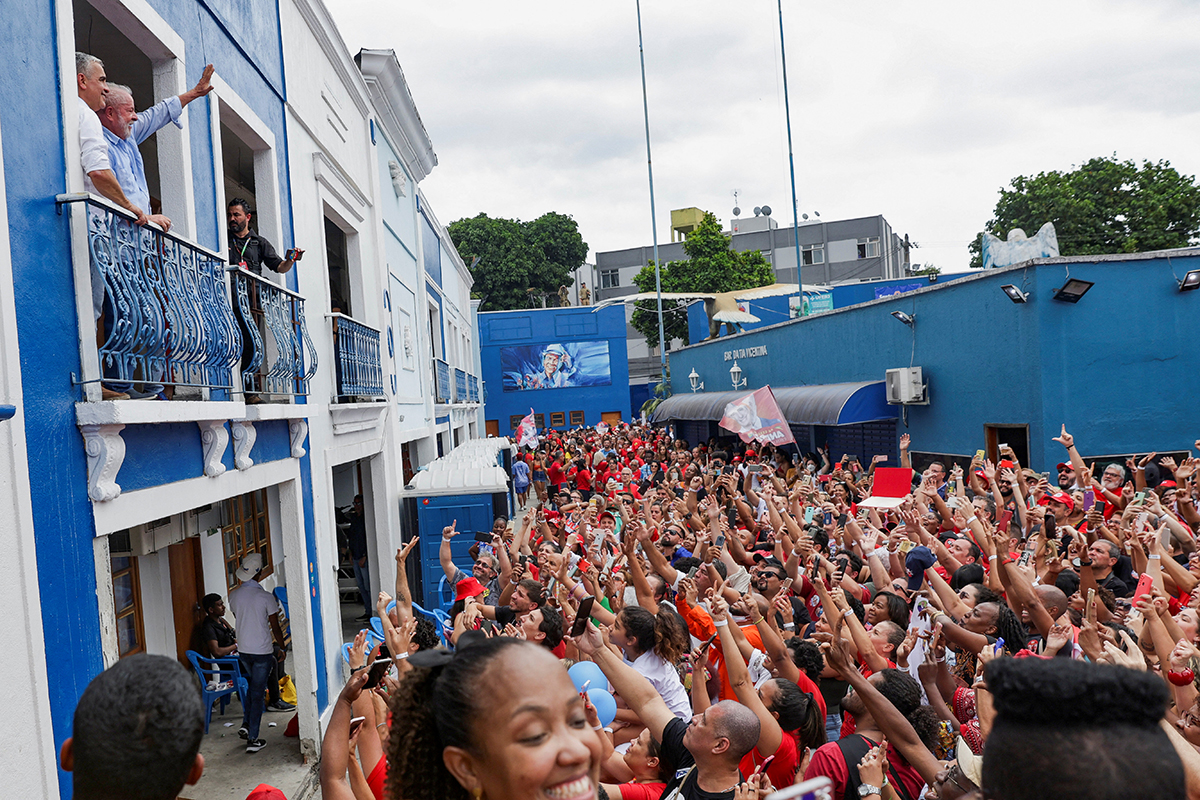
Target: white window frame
(610,278)
(813,251)
(866,242)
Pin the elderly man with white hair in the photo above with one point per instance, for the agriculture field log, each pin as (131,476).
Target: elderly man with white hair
(125,129)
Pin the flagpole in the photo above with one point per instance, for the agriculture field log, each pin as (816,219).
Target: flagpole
(662,342)
(787,112)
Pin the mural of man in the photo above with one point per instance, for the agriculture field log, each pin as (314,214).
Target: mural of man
(556,369)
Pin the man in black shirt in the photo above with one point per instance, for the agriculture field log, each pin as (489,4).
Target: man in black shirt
(217,634)
(704,753)
(356,539)
(250,251)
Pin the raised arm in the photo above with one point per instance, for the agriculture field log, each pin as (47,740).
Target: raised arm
(447,562)
(770,734)
(404,610)
(636,691)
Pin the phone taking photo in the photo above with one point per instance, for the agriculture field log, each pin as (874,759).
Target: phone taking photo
(583,615)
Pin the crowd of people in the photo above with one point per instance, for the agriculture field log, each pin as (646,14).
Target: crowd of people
(754,621)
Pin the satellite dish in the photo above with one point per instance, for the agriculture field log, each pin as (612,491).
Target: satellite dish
(737,212)
(766,211)
(816,213)
(757,211)
(804,216)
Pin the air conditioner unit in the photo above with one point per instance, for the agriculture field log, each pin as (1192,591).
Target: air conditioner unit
(906,386)
(142,540)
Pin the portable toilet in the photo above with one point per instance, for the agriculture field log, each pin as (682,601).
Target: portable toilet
(472,486)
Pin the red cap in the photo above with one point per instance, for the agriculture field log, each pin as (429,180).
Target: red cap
(265,792)
(468,587)
(1059,497)
(1006,464)
(1168,485)
(1062,466)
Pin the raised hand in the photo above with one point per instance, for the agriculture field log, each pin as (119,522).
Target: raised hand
(451,530)
(1065,439)
(403,553)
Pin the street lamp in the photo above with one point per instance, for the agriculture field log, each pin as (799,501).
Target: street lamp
(694,378)
(735,373)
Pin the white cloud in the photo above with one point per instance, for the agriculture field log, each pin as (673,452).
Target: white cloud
(917,111)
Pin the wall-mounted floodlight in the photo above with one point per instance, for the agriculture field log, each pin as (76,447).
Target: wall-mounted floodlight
(735,374)
(1015,294)
(1190,281)
(1072,290)
(694,378)
(910,321)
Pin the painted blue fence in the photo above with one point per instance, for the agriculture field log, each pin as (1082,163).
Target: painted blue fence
(275,365)
(356,349)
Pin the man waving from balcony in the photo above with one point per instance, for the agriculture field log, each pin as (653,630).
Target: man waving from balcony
(125,129)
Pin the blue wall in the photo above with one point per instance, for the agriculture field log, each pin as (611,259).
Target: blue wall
(245,46)
(542,327)
(1119,368)
(774,310)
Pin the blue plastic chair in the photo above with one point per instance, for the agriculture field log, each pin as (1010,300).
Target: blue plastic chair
(221,669)
(442,594)
(440,619)
(281,596)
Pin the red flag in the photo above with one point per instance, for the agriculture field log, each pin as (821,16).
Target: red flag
(757,417)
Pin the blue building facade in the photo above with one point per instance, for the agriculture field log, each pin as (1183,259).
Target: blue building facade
(1117,367)
(584,351)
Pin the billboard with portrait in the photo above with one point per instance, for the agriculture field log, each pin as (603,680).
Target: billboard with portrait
(555,366)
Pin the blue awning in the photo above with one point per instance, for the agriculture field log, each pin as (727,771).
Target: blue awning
(825,404)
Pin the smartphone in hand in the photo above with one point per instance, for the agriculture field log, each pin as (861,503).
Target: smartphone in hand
(583,615)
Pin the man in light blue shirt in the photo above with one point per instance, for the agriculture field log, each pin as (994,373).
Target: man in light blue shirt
(125,129)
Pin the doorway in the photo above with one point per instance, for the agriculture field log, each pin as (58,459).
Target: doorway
(492,427)
(611,418)
(187,583)
(1015,436)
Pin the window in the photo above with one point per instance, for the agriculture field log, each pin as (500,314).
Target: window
(869,247)
(539,420)
(339,268)
(127,602)
(246,531)
(557,419)
(576,418)
(813,254)
(610,278)
(514,421)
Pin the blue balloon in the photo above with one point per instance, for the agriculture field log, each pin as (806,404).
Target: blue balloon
(606,706)
(586,671)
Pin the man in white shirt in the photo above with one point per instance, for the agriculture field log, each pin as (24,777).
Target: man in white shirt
(257,615)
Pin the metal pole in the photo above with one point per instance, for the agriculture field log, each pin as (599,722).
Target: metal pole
(662,342)
(787,112)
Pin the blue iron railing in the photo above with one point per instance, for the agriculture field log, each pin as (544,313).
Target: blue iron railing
(441,381)
(460,386)
(472,389)
(356,350)
(274,364)
(166,313)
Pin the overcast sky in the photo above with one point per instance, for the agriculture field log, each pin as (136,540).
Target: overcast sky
(919,111)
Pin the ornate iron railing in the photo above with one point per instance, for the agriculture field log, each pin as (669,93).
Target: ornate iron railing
(441,381)
(273,364)
(356,351)
(460,386)
(165,310)
(472,389)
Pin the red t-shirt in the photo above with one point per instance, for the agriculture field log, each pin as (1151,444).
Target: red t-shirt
(583,480)
(641,791)
(554,473)
(827,760)
(377,778)
(782,771)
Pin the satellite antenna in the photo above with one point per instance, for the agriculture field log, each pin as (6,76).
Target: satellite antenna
(766,210)
(757,211)
(737,212)
(804,216)
(817,214)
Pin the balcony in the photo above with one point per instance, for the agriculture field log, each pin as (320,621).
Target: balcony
(472,389)
(274,364)
(165,311)
(356,352)
(460,387)
(441,382)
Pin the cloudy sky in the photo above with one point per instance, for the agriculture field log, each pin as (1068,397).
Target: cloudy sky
(919,111)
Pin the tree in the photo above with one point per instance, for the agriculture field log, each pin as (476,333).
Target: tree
(711,266)
(1104,206)
(515,257)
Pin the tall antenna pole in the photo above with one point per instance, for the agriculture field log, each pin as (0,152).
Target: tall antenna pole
(662,342)
(787,112)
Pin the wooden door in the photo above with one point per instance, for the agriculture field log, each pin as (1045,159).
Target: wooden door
(187,583)
(492,427)
(611,418)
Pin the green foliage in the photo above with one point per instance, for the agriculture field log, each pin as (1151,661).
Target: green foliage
(1104,206)
(516,256)
(662,390)
(710,266)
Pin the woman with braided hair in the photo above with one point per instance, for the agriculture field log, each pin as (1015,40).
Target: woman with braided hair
(500,719)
